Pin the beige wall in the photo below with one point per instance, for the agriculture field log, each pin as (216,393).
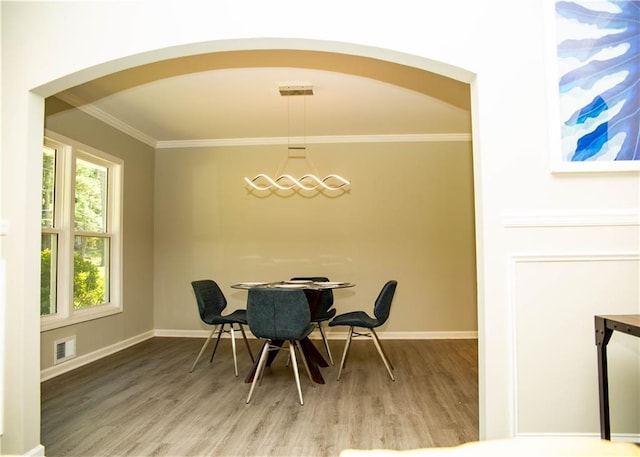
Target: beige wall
(408,216)
(137,315)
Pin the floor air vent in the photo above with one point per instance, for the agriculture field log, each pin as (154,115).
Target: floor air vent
(64,349)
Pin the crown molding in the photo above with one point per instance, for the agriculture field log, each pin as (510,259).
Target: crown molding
(116,123)
(108,119)
(330,139)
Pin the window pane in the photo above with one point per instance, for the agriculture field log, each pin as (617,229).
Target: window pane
(48,185)
(48,273)
(90,197)
(90,271)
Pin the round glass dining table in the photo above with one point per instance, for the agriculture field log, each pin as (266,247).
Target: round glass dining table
(312,290)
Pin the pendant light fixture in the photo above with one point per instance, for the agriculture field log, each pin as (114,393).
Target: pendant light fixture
(309,181)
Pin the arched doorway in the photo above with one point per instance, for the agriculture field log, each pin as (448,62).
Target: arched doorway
(415,77)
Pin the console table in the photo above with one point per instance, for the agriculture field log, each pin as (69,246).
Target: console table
(605,326)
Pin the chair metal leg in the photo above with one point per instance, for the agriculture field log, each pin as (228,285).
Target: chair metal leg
(261,364)
(220,332)
(233,348)
(260,374)
(292,352)
(344,353)
(376,341)
(382,349)
(204,346)
(325,341)
(246,342)
(304,361)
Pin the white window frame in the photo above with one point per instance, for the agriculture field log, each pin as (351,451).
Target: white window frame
(68,150)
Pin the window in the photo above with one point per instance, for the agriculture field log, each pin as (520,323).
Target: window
(81,258)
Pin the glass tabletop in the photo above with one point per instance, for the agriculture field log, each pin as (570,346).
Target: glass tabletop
(293,284)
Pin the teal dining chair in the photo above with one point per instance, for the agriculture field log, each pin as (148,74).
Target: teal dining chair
(277,316)
(324,310)
(211,302)
(360,319)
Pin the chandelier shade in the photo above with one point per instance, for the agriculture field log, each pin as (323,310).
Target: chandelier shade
(306,182)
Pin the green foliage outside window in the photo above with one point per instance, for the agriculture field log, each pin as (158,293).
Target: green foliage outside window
(88,283)
(45,282)
(90,258)
(48,185)
(90,197)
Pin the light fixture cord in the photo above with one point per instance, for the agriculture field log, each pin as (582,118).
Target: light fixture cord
(288,121)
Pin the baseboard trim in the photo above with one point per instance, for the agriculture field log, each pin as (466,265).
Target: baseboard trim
(85,359)
(334,335)
(37,451)
(462,335)
(621,437)
(57,370)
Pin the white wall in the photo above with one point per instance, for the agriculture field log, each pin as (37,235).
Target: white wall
(47,47)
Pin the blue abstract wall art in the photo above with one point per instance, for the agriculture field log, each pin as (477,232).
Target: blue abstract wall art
(598,48)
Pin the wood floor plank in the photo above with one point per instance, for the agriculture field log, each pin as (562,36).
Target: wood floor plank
(144,402)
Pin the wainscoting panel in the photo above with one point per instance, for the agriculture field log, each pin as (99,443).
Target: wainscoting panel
(553,300)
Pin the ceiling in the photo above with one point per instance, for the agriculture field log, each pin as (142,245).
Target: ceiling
(234,96)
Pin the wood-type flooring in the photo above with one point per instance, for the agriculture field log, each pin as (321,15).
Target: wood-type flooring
(143,401)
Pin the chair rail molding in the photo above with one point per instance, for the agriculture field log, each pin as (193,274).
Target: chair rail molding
(571,218)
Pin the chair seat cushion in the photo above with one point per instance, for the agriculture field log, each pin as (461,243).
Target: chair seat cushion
(239,316)
(322,316)
(355,319)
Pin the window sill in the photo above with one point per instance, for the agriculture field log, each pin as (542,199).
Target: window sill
(97,312)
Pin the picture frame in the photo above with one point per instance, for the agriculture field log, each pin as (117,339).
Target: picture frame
(594,85)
